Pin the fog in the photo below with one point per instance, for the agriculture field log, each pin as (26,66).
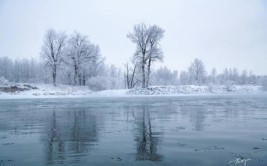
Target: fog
(221,33)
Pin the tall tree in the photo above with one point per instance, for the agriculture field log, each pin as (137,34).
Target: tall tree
(80,53)
(155,52)
(53,51)
(147,47)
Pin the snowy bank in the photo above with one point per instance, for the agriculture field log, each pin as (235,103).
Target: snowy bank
(65,91)
(43,91)
(192,89)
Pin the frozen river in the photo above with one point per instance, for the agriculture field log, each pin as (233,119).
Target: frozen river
(189,131)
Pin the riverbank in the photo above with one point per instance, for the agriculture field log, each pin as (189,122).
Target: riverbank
(61,91)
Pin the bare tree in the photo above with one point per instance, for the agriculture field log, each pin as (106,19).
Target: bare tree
(80,53)
(141,38)
(244,77)
(197,72)
(235,76)
(130,74)
(213,75)
(264,82)
(155,52)
(147,49)
(164,76)
(53,50)
(184,78)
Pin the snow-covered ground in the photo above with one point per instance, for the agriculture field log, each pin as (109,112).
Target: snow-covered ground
(62,91)
(46,91)
(192,89)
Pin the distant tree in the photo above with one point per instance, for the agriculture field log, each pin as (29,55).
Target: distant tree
(164,76)
(244,77)
(6,66)
(21,70)
(131,74)
(197,72)
(226,75)
(264,83)
(53,51)
(115,77)
(213,75)
(184,78)
(147,47)
(235,76)
(252,78)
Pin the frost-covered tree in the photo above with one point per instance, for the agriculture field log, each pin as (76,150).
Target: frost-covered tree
(155,53)
(252,78)
(197,72)
(226,75)
(21,70)
(244,77)
(235,75)
(264,83)
(140,37)
(53,51)
(184,78)
(81,55)
(164,76)
(108,77)
(213,75)
(147,47)
(6,66)
(130,75)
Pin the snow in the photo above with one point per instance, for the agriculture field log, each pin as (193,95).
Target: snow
(47,91)
(111,93)
(192,89)
(66,91)
(3,82)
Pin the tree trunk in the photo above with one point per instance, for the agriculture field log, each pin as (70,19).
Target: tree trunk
(54,75)
(75,74)
(143,71)
(143,76)
(127,76)
(84,80)
(148,72)
(79,79)
(132,78)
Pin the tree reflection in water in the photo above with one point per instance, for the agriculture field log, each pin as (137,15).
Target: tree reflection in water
(146,140)
(55,144)
(69,135)
(83,131)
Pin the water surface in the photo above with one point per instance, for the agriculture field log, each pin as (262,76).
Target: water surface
(189,131)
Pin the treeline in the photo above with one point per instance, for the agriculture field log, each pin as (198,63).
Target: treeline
(32,71)
(74,60)
(196,74)
(138,70)
(112,77)
(23,70)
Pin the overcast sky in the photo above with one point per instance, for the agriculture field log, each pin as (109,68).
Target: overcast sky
(222,33)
